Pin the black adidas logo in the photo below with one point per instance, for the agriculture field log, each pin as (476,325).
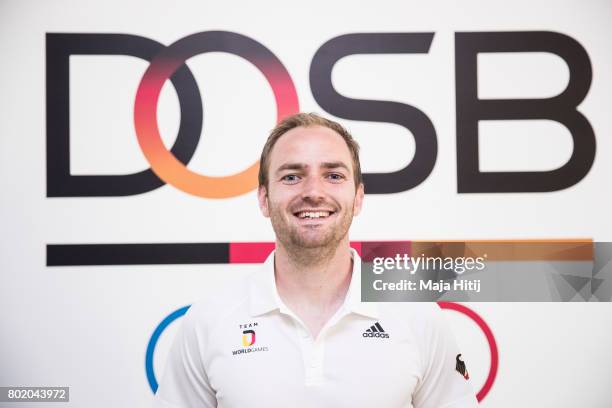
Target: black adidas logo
(376,331)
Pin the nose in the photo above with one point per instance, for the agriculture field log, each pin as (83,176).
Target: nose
(313,189)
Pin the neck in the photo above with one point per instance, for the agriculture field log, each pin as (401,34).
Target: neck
(313,281)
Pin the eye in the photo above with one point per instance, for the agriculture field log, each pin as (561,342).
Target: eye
(336,177)
(290,179)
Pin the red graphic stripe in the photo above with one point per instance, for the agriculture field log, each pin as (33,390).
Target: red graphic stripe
(257,252)
(249,252)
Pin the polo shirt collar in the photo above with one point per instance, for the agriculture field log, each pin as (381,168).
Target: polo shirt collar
(264,298)
(353,301)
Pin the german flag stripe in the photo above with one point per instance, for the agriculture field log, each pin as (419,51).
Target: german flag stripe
(256,252)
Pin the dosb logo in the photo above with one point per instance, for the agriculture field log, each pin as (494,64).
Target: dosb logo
(170,166)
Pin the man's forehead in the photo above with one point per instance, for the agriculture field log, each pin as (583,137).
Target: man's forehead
(313,142)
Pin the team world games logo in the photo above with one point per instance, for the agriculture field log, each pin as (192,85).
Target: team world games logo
(248,338)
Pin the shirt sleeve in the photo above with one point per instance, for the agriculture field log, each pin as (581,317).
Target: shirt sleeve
(441,386)
(184,382)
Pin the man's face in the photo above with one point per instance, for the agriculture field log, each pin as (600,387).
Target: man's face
(311,196)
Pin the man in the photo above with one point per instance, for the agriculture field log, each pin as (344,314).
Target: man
(297,334)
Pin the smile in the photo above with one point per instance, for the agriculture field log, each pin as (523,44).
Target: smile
(313,214)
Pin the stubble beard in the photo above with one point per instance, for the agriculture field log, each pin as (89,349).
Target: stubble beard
(304,248)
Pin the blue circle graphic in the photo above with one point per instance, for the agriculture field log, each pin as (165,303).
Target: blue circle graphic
(153,342)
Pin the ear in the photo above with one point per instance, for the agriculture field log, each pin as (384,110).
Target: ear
(358,199)
(262,197)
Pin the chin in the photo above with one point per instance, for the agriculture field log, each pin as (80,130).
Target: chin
(312,242)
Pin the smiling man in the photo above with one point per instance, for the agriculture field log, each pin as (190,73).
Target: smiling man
(296,334)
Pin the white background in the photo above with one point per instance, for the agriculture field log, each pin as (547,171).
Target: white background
(88,327)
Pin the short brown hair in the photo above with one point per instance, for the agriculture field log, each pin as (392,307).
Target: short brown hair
(307,120)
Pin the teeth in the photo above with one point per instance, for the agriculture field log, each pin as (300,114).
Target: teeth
(313,214)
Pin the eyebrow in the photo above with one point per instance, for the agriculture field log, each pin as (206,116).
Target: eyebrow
(302,166)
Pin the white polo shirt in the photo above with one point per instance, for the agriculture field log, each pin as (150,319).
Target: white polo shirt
(245,348)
